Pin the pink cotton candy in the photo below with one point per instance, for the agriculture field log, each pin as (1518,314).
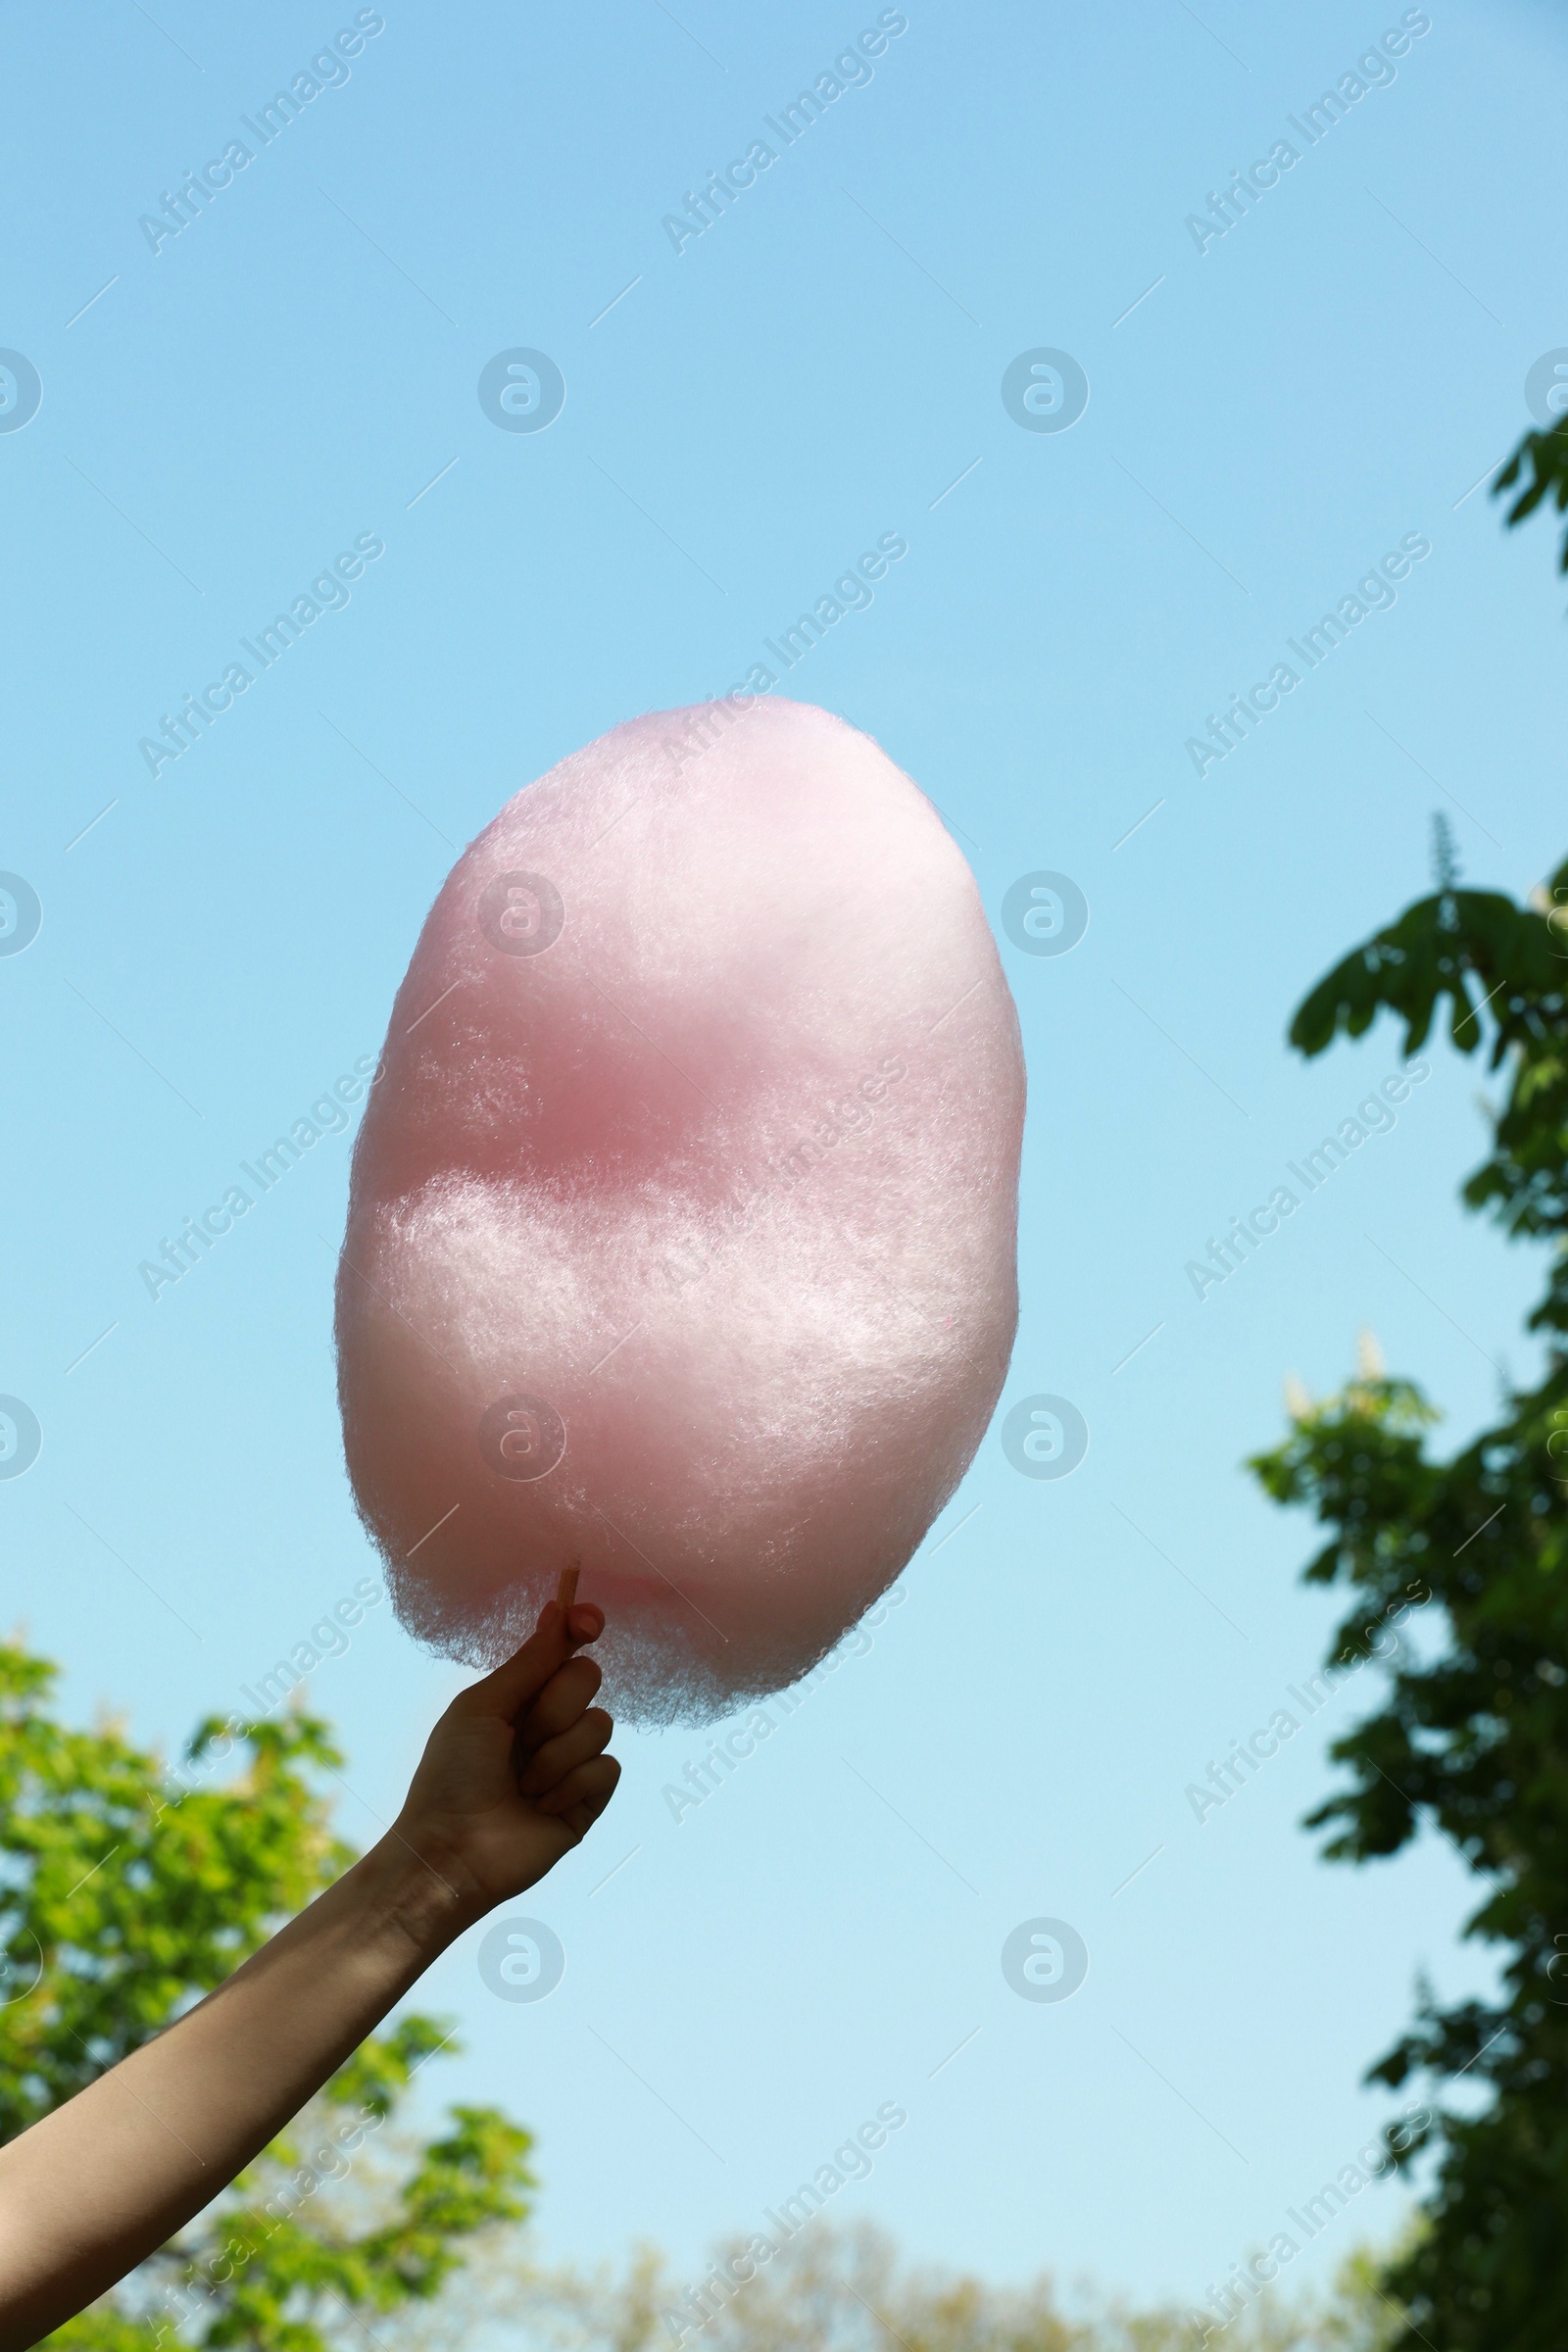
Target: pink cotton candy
(682,1233)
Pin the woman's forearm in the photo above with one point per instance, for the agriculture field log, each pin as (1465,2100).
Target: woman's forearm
(511,1778)
(94,2188)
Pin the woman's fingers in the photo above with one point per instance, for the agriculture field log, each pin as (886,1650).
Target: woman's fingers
(559,1704)
(585,1621)
(580,1798)
(549,1765)
(528,1670)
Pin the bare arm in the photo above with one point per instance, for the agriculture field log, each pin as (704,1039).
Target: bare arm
(512,1779)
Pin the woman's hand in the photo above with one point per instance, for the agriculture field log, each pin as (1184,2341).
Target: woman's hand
(514,1773)
(511,1778)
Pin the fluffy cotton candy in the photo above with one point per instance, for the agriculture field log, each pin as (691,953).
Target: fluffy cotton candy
(682,1231)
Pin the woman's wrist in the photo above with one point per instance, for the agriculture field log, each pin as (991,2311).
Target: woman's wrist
(418,1883)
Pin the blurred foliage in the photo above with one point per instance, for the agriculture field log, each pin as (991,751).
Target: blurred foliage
(848,2290)
(1545,454)
(1473,1737)
(127,1892)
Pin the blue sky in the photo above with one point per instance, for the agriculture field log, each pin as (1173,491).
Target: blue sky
(295,371)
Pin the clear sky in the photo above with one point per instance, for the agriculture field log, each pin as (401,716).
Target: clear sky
(1270,413)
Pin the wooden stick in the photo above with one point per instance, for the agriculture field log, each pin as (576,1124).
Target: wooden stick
(567,1590)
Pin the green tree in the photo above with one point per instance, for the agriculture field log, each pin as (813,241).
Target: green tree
(127,1892)
(1473,1737)
(1547,456)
